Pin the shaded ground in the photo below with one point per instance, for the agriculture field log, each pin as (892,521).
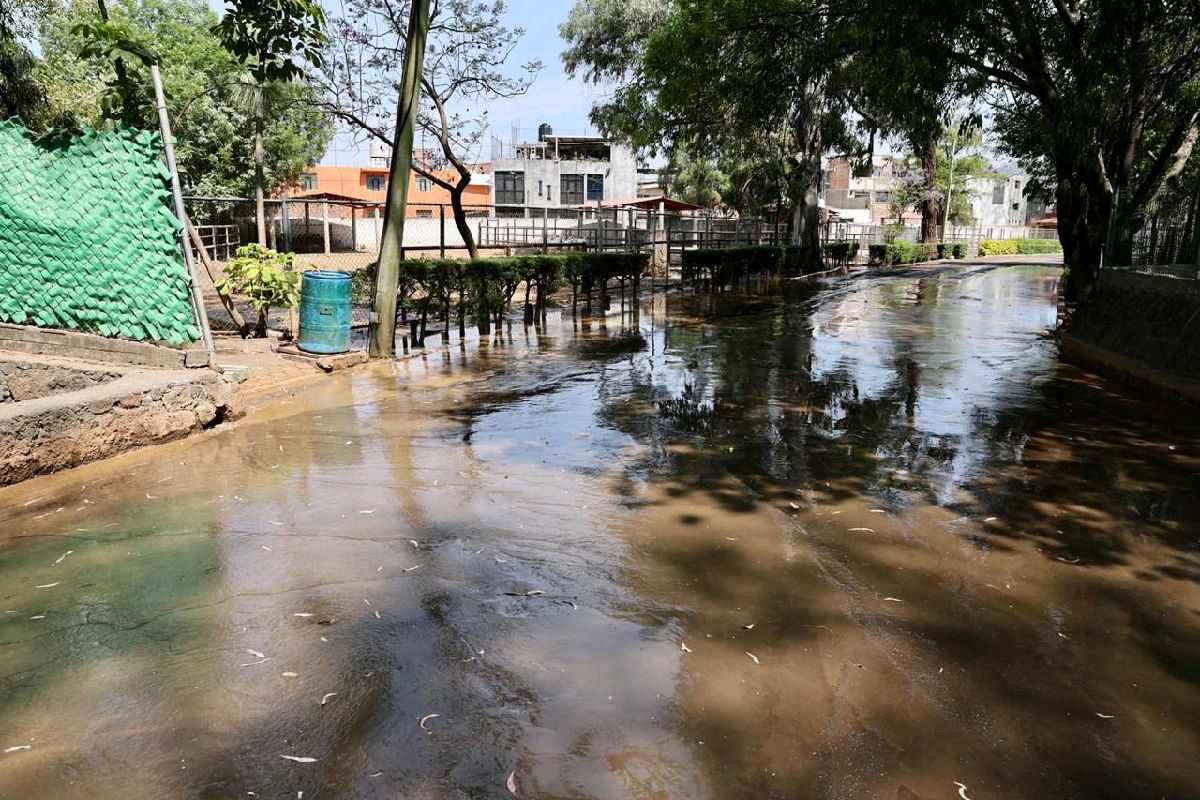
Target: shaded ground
(872,541)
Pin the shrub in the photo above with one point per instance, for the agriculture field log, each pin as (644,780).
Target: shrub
(998,247)
(841,253)
(721,267)
(1013,247)
(951,250)
(959,250)
(265,278)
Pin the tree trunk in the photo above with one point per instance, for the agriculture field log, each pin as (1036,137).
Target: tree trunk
(806,181)
(460,219)
(1082,226)
(259,171)
(929,200)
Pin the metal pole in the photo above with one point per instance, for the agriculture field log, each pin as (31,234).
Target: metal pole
(286,221)
(442,230)
(164,125)
(545,230)
(324,223)
(391,249)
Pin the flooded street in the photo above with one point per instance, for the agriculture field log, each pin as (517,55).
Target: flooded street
(863,537)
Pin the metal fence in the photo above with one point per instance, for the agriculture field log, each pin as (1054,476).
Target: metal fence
(345,235)
(1162,241)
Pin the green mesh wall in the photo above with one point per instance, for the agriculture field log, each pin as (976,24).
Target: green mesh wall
(87,237)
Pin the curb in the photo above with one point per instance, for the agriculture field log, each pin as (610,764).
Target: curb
(1128,371)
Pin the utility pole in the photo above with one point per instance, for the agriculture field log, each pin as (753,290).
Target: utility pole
(391,249)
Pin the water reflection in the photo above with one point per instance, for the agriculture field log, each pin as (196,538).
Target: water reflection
(861,537)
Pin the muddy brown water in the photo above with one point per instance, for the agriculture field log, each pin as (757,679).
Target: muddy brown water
(861,538)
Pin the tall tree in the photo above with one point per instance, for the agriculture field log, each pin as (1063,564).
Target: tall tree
(270,38)
(741,77)
(200,78)
(1091,97)
(466,68)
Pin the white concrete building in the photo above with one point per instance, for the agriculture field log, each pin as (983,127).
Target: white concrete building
(999,202)
(563,172)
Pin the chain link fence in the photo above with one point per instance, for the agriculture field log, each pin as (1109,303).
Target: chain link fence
(1161,240)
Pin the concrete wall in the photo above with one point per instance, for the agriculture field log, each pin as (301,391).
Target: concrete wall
(620,175)
(1151,319)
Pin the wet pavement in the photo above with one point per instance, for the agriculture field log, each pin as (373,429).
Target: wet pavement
(864,538)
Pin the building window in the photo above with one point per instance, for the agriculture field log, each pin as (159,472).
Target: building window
(424,213)
(595,188)
(422,184)
(376,183)
(1016,206)
(998,193)
(570,190)
(539,188)
(308,182)
(510,188)
(883,197)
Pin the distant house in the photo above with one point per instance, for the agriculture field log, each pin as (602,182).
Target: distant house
(369,184)
(561,172)
(1000,201)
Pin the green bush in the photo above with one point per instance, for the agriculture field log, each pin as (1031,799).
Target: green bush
(951,250)
(265,277)
(887,255)
(1013,247)
(1027,247)
(959,250)
(841,253)
(722,267)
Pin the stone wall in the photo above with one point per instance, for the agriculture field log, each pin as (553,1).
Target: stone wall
(28,380)
(52,433)
(1151,319)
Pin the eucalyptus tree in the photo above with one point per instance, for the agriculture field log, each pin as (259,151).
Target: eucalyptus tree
(466,68)
(271,39)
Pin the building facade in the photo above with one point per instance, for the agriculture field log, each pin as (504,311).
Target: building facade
(562,172)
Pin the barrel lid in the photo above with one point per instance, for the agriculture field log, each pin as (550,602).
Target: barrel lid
(326,275)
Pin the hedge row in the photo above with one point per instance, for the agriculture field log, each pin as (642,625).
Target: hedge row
(841,253)
(484,287)
(955,250)
(1014,247)
(886,255)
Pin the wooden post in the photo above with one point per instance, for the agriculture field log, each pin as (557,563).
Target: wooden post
(383,320)
(545,236)
(324,224)
(354,228)
(164,124)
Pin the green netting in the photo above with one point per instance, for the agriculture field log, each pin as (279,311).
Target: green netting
(87,237)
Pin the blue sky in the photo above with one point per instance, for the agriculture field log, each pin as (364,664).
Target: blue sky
(553,98)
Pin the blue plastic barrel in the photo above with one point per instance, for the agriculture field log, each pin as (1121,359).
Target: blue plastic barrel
(325,312)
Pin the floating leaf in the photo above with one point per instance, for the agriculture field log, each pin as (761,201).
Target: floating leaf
(749,627)
(300,759)
(893,599)
(534,592)
(325,699)
(426,718)
(752,656)
(47,585)
(962,790)
(1105,716)
(302,614)
(868,530)
(290,674)
(17,747)
(64,555)
(511,783)
(256,654)
(410,569)
(683,646)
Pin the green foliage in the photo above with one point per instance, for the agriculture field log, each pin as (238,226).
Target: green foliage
(272,38)
(951,250)
(722,267)
(841,253)
(265,277)
(1013,247)
(893,253)
(199,78)
(693,180)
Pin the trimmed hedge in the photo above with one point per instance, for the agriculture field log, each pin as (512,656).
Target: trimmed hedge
(723,266)
(841,253)
(1023,247)
(956,250)
(887,255)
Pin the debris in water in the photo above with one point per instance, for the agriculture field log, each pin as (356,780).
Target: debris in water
(868,530)
(300,759)
(1074,560)
(17,747)
(893,599)
(410,569)
(48,585)
(256,654)
(749,627)
(990,519)
(290,674)
(273,522)
(39,616)
(878,511)
(374,774)
(752,656)
(264,547)
(254,663)
(377,614)
(511,783)
(426,718)
(500,560)
(367,511)
(414,543)
(64,555)
(1105,716)
(151,496)
(962,790)
(683,646)
(793,505)
(302,614)
(325,699)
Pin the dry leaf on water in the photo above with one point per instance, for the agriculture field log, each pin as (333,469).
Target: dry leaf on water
(64,555)
(17,747)
(868,530)
(752,656)
(426,718)
(684,647)
(300,759)
(47,585)
(290,674)
(511,783)
(325,699)
(256,654)
(410,569)
(534,592)
(302,614)
(962,790)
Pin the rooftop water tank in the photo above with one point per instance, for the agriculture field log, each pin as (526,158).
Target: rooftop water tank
(544,130)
